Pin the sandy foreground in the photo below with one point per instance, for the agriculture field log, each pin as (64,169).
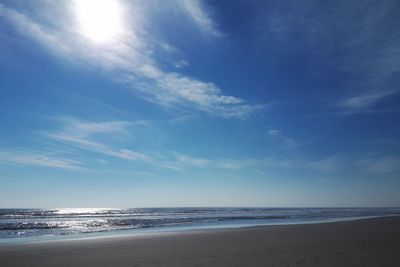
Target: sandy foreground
(372,242)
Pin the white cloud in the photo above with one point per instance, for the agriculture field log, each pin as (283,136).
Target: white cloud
(81,135)
(174,88)
(131,60)
(274,132)
(37,158)
(88,145)
(183,118)
(80,128)
(262,165)
(366,99)
(181,64)
(196,11)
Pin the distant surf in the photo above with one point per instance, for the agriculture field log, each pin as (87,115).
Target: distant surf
(22,224)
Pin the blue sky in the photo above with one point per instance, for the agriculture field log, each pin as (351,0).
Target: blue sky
(199,103)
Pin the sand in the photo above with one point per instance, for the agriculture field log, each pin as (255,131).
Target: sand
(372,242)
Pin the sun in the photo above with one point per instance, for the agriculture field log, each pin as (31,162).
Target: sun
(99,20)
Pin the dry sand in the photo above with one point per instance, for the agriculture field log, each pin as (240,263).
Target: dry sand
(372,242)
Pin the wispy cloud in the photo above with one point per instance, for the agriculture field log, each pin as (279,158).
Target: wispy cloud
(186,160)
(365,100)
(183,118)
(85,144)
(172,88)
(358,42)
(281,141)
(80,128)
(37,158)
(99,137)
(82,134)
(131,59)
(196,11)
(78,133)
(274,132)
(181,64)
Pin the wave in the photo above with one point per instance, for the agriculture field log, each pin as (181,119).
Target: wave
(38,222)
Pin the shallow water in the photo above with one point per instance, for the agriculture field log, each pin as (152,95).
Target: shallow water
(25,224)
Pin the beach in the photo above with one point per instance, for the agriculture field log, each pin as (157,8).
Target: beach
(369,242)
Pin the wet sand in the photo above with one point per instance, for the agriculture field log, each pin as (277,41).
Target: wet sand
(372,242)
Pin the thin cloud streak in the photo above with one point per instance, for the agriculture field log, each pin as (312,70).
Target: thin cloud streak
(84,144)
(38,158)
(79,134)
(197,12)
(84,129)
(365,100)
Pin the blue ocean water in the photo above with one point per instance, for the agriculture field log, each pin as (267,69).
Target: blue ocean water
(25,224)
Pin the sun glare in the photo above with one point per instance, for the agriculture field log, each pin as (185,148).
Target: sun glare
(99,20)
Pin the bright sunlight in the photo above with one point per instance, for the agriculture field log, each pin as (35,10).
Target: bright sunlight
(100,21)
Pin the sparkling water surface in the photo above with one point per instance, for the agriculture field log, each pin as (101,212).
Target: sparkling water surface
(25,224)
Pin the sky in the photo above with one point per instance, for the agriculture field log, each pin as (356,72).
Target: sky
(114,103)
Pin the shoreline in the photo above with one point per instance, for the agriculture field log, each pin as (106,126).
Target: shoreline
(368,242)
(167,230)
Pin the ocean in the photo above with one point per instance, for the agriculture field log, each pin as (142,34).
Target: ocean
(34,224)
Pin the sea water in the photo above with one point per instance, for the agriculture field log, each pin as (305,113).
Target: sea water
(29,224)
